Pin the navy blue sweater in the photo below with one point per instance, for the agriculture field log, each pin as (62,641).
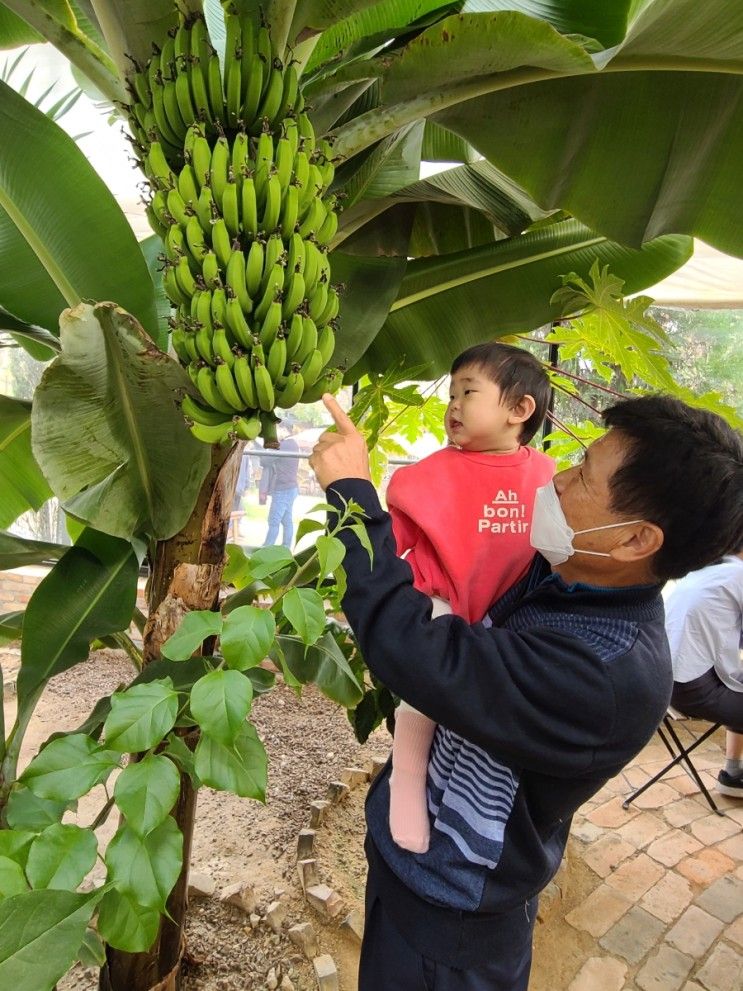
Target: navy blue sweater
(535,713)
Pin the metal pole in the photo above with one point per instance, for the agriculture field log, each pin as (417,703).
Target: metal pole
(547,426)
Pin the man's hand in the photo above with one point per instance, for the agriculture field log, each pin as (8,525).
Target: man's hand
(342,454)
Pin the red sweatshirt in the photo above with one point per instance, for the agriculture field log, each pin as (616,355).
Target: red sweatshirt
(465,518)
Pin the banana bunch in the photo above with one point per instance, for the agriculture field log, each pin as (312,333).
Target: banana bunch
(240,196)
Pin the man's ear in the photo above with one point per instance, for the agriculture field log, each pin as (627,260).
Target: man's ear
(522,410)
(642,541)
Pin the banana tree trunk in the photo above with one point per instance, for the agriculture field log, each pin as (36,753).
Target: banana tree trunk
(186,573)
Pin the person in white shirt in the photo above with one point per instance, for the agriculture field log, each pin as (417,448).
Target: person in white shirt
(704,624)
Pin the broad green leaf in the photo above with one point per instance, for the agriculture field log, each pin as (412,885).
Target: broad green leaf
(393,164)
(237,570)
(183,756)
(12,878)
(307,525)
(146,791)
(442,145)
(637,125)
(330,552)
(145,868)
(89,593)
(14,31)
(267,561)
(324,664)
(71,243)
(247,636)
(11,627)
(107,432)
(305,610)
(40,932)
(130,26)
(220,701)
(68,768)
(27,811)
(92,952)
(510,280)
(22,485)
(193,630)
(240,768)
(15,843)
(141,716)
(16,552)
(61,857)
(127,925)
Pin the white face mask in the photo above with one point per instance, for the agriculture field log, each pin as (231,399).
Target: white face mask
(552,535)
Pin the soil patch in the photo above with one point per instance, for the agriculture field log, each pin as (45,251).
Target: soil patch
(309,742)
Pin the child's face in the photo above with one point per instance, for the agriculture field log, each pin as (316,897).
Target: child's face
(477,419)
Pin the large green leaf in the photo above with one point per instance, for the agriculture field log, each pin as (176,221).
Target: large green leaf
(68,768)
(14,31)
(220,701)
(71,243)
(125,924)
(61,856)
(107,431)
(15,552)
(40,932)
(89,593)
(324,664)
(240,768)
(141,716)
(146,791)
(131,26)
(607,22)
(145,868)
(22,486)
(511,281)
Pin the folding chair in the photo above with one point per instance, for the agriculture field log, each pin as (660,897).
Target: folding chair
(680,754)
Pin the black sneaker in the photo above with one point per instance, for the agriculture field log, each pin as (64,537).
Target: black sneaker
(730,784)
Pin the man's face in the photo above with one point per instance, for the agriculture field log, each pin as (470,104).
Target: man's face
(585,497)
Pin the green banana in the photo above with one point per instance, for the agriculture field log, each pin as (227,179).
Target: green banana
(326,344)
(249,205)
(226,385)
(187,186)
(272,211)
(291,391)
(294,337)
(263,387)
(293,294)
(237,323)
(247,428)
(271,323)
(210,270)
(276,361)
(243,376)
(195,238)
(221,241)
(235,278)
(220,163)
(212,434)
(199,414)
(312,366)
(254,268)
(309,340)
(230,209)
(207,386)
(221,345)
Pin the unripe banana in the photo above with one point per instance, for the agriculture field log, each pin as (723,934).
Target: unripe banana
(276,361)
(201,309)
(178,341)
(201,156)
(219,168)
(331,308)
(293,294)
(247,428)
(226,385)
(284,160)
(237,323)
(326,344)
(240,153)
(157,167)
(263,388)
(314,218)
(254,268)
(272,211)
(235,278)
(330,381)
(184,277)
(311,369)
(274,252)
(291,391)
(199,414)
(271,324)
(289,212)
(290,91)
(203,340)
(195,238)
(187,186)
(271,101)
(210,270)
(221,345)
(221,242)
(219,306)
(207,386)
(328,228)
(318,300)
(295,257)
(249,206)
(294,337)
(252,93)
(213,434)
(309,340)
(205,208)
(243,376)
(230,209)
(175,243)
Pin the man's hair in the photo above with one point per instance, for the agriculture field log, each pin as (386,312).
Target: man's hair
(517,374)
(683,471)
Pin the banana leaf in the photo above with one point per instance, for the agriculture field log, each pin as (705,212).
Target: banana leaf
(72,243)
(17,552)
(22,485)
(107,430)
(14,31)
(448,302)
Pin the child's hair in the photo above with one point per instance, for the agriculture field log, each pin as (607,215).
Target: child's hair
(516,372)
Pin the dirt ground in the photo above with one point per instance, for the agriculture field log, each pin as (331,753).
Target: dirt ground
(309,742)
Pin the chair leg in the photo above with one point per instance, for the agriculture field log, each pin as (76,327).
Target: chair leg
(680,754)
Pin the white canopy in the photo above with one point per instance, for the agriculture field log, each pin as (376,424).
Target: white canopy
(709,280)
